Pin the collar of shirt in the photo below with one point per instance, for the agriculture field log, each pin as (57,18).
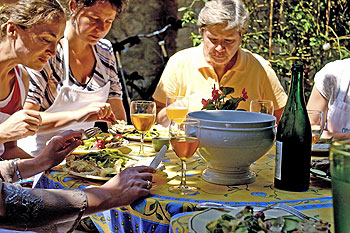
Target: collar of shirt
(207,70)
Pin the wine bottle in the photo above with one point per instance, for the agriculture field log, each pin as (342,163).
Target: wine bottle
(293,139)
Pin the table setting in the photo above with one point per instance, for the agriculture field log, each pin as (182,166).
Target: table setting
(202,160)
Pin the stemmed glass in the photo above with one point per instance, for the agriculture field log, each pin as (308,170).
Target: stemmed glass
(262,106)
(143,115)
(184,139)
(317,121)
(176,107)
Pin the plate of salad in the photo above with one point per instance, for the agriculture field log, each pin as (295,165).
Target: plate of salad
(103,141)
(100,165)
(249,219)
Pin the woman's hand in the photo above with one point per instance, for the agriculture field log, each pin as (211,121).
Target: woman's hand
(59,147)
(96,112)
(123,189)
(19,125)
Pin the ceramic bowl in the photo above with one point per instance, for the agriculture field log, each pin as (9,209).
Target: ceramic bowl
(230,141)
(159,142)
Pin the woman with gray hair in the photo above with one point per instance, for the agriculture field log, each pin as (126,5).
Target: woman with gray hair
(231,13)
(219,61)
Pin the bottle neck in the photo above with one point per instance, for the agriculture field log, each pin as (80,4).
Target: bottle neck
(296,90)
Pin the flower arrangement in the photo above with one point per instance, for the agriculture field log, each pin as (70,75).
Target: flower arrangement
(219,101)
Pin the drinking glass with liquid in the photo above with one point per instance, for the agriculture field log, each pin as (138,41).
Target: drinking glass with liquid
(184,139)
(177,107)
(143,115)
(317,121)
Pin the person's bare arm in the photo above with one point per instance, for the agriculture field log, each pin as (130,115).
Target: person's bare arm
(320,103)
(121,190)
(12,151)
(118,108)
(162,117)
(54,153)
(317,102)
(19,125)
(93,112)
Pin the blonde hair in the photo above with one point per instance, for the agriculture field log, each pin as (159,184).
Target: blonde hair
(230,12)
(27,13)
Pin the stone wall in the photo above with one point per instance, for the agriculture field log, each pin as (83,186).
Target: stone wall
(142,17)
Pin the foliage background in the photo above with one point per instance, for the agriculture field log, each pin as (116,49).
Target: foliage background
(315,32)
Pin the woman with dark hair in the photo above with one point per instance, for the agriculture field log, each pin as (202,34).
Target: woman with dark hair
(80,84)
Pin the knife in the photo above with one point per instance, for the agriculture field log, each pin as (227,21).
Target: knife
(159,157)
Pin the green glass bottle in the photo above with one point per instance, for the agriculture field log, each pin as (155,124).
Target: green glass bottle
(293,139)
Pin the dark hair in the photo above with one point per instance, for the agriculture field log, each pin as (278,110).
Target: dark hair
(120,5)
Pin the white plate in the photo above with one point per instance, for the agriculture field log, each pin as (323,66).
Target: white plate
(320,147)
(138,138)
(90,176)
(198,222)
(140,161)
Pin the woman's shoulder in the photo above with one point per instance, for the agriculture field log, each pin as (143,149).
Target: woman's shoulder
(336,66)
(104,45)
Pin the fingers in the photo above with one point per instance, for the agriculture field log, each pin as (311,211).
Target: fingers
(146,169)
(106,112)
(66,141)
(70,134)
(23,123)
(100,111)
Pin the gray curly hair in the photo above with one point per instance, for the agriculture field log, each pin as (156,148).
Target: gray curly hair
(230,12)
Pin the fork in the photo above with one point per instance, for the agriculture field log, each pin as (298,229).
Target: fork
(291,210)
(90,132)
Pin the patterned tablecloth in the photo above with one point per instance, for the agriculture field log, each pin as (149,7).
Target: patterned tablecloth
(163,211)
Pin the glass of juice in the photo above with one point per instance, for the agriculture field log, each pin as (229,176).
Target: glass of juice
(317,121)
(340,172)
(184,139)
(143,115)
(176,107)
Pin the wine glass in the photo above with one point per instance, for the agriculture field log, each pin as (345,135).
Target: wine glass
(262,106)
(317,121)
(143,115)
(176,107)
(184,139)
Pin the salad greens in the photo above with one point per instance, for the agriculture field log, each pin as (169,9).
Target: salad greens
(246,221)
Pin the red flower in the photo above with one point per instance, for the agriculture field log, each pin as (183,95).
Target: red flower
(204,102)
(220,100)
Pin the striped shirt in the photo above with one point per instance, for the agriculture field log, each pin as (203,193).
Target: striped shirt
(45,85)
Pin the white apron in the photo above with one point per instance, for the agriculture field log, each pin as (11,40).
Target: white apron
(5,116)
(338,117)
(69,98)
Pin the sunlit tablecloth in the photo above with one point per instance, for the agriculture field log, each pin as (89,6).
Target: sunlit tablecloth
(154,213)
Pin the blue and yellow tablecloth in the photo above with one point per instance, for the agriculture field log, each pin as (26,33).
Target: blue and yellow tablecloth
(154,213)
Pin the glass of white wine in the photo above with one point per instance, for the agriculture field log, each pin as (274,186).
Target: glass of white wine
(143,115)
(262,106)
(176,107)
(317,121)
(184,139)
